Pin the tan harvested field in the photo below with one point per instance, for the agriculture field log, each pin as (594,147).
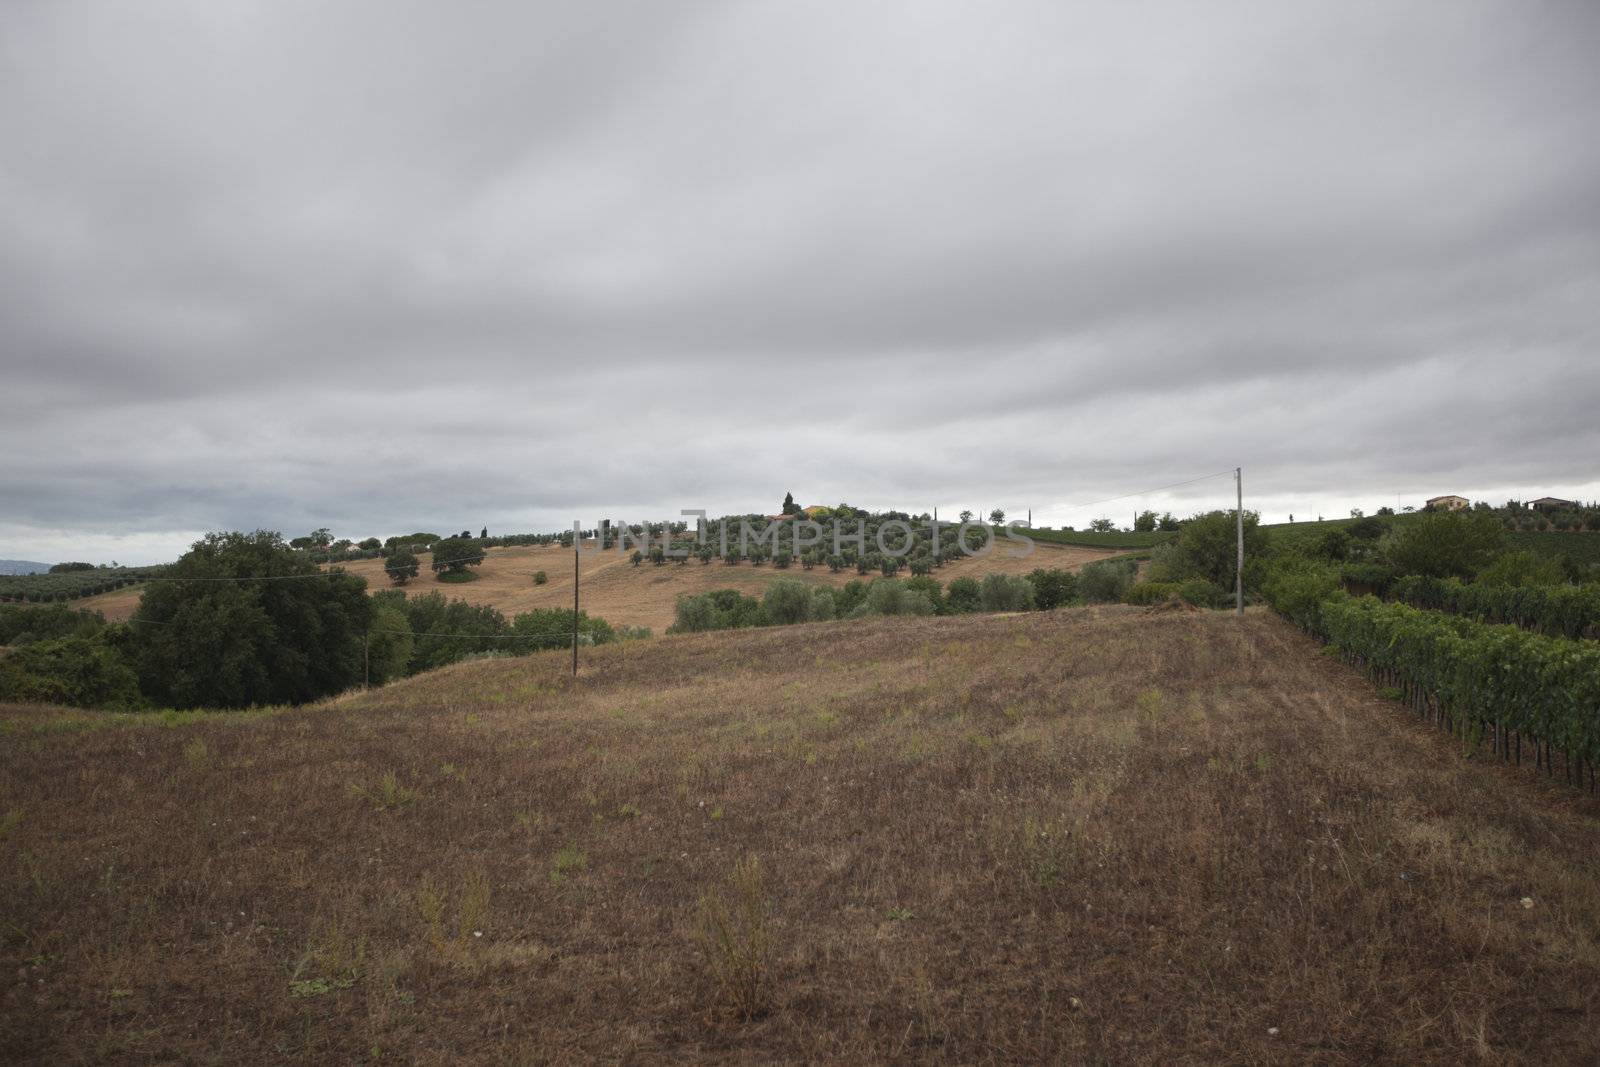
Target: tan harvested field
(1098,835)
(622,594)
(117,605)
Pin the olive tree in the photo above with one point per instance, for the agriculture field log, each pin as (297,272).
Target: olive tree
(456,554)
(402,566)
(1005,592)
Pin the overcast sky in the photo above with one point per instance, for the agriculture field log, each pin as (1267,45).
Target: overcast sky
(385,266)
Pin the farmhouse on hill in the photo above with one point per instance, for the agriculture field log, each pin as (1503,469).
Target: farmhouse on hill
(1553,503)
(810,513)
(1449,502)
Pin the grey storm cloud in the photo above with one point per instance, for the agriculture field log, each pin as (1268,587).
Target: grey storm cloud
(386,266)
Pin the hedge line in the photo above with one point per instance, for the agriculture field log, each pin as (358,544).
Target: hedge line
(1475,678)
(70,585)
(1552,610)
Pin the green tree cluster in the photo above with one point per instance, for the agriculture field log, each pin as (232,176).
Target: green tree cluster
(250,622)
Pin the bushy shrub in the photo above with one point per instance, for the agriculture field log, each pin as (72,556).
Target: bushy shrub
(1106,581)
(849,597)
(823,606)
(1370,528)
(1150,593)
(1333,544)
(1207,547)
(1201,593)
(1297,588)
(81,672)
(1451,544)
(540,578)
(1370,576)
(446,631)
(546,628)
(787,601)
(963,597)
(693,614)
(740,610)
(1165,566)
(389,645)
(19,623)
(721,609)
(1522,569)
(1053,588)
(1005,592)
(889,596)
(928,587)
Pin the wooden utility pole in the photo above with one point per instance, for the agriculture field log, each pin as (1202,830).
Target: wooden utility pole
(575,603)
(1238,574)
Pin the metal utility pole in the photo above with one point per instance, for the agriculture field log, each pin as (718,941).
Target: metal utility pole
(1238,574)
(575,604)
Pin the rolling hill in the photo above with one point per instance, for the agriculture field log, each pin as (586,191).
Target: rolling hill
(1078,836)
(623,594)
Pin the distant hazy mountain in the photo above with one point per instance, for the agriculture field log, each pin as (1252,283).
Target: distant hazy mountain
(22,566)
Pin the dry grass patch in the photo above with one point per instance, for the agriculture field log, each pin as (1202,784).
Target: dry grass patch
(622,594)
(1085,836)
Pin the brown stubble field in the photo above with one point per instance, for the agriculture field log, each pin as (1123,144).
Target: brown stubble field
(1098,835)
(622,594)
(117,605)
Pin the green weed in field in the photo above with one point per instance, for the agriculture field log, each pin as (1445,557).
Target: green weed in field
(735,940)
(387,795)
(568,860)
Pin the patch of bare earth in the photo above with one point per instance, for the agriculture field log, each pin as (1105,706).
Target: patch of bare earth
(1084,836)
